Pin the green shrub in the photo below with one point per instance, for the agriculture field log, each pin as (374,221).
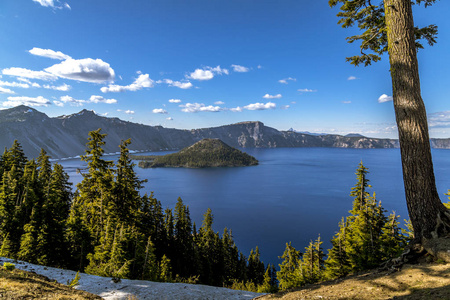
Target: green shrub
(9,266)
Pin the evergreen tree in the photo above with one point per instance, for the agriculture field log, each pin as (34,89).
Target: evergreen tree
(313,262)
(337,263)
(290,275)
(165,270)
(183,264)
(255,267)
(94,191)
(126,199)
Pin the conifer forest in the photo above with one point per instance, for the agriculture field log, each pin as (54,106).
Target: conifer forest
(106,227)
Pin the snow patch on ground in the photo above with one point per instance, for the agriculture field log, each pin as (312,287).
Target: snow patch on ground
(107,289)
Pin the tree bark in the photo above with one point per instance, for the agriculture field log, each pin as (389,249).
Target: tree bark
(429,216)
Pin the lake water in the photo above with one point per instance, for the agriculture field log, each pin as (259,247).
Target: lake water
(294,194)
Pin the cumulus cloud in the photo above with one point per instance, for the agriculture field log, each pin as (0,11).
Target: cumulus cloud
(385,98)
(159,111)
(219,103)
(25,73)
(175,101)
(49,53)
(70,100)
(352,78)
(286,80)
(199,107)
(28,101)
(129,112)
(14,84)
(200,74)
(87,70)
(100,99)
(6,91)
(143,81)
(306,91)
(236,109)
(267,96)
(240,69)
(261,106)
(182,85)
(64,87)
(207,73)
(169,118)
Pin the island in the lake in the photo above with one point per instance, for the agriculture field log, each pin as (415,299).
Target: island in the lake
(203,154)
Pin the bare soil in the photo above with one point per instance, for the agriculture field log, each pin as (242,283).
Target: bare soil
(421,281)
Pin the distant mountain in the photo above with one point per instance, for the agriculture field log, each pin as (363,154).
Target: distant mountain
(66,136)
(203,154)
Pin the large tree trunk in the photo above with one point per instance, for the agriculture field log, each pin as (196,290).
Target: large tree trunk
(429,217)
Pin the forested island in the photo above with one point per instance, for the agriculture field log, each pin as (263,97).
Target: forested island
(203,154)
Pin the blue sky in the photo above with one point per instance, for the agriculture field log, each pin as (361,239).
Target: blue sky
(202,63)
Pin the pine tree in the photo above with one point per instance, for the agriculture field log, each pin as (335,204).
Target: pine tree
(126,200)
(183,264)
(290,275)
(313,262)
(95,189)
(337,263)
(165,270)
(255,267)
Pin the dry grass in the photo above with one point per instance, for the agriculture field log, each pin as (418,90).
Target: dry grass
(425,281)
(18,284)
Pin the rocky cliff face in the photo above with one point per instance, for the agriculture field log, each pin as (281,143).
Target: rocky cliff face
(66,136)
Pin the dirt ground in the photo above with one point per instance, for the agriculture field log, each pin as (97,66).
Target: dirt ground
(423,281)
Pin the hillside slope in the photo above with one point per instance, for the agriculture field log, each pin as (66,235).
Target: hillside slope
(422,281)
(66,136)
(203,154)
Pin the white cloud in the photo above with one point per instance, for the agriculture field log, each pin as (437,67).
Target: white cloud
(219,70)
(236,109)
(169,118)
(70,100)
(352,78)
(182,85)
(58,103)
(100,99)
(49,53)
(240,69)
(385,98)
(261,106)
(51,3)
(87,69)
(6,91)
(129,112)
(175,101)
(267,96)
(28,101)
(207,73)
(64,87)
(259,67)
(219,103)
(199,107)
(200,74)
(25,73)
(346,102)
(306,91)
(159,111)
(285,107)
(15,84)
(143,81)
(286,80)
(439,119)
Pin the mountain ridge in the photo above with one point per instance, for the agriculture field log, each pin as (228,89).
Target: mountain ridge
(66,136)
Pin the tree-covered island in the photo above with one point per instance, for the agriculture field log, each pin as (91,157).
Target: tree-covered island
(203,154)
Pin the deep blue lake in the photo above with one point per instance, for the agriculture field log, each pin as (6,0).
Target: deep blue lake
(294,194)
